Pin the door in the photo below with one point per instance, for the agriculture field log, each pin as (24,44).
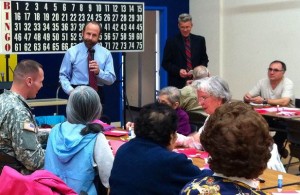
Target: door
(142,68)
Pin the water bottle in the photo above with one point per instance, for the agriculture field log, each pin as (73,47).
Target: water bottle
(279,185)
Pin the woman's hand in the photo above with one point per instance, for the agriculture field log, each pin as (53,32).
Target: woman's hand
(128,125)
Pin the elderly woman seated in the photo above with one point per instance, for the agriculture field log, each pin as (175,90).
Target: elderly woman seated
(77,150)
(238,141)
(146,164)
(171,96)
(214,92)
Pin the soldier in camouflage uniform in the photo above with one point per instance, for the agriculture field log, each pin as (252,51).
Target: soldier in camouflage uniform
(19,145)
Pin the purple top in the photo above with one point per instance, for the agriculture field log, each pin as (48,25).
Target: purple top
(183,127)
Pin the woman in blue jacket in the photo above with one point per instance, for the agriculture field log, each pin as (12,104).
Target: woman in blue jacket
(77,147)
(146,164)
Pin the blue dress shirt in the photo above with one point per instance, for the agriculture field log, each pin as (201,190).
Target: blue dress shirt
(74,67)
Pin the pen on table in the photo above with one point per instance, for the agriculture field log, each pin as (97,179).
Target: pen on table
(123,139)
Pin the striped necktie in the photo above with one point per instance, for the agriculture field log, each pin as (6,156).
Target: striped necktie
(188,54)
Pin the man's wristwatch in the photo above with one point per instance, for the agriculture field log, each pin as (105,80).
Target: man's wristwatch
(265,101)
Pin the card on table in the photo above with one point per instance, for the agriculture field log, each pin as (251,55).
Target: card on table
(192,152)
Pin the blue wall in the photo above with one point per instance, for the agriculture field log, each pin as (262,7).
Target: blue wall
(51,62)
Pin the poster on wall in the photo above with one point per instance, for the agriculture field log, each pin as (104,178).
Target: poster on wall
(29,26)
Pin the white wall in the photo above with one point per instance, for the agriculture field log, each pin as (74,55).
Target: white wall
(243,37)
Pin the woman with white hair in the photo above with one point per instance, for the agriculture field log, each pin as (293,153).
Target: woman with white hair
(212,93)
(78,146)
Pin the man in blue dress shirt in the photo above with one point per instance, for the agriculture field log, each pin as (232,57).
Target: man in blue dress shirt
(75,67)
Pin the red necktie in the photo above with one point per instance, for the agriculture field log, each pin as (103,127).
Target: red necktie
(188,54)
(92,76)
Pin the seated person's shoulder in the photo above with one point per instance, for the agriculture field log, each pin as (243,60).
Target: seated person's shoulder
(177,159)
(187,91)
(213,185)
(288,81)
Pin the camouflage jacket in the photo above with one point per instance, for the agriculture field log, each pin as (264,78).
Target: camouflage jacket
(18,132)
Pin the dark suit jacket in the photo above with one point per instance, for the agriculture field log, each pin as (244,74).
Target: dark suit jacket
(174,57)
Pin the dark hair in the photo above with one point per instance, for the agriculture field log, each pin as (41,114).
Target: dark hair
(26,67)
(156,122)
(83,108)
(280,62)
(93,22)
(238,141)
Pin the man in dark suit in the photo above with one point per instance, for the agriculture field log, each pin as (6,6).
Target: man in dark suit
(183,52)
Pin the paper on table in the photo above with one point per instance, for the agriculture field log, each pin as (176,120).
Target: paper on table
(192,152)
(105,126)
(279,109)
(115,145)
(116,133)
(285,113)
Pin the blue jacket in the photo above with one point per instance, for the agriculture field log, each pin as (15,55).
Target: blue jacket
(69,155)
(144,167)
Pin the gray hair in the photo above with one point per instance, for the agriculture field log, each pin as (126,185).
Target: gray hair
(184,18)
(200,72)
(215,86)
(83,106)
(173,94)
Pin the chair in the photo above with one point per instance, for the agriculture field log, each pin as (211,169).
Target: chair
(194,128)
(297,103)
(5,85)
(50,120)
(293,138)
(196,119)
(278,125)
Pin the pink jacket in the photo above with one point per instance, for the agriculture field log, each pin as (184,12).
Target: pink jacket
(38,183)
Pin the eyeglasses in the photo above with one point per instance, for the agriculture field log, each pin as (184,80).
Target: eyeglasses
(274,70)
(203,98)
